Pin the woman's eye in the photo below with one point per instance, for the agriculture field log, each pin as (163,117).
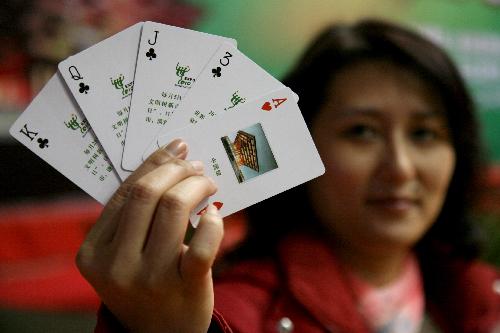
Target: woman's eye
(360,131)
(425,134)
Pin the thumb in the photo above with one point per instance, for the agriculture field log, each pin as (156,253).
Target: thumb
(197,261)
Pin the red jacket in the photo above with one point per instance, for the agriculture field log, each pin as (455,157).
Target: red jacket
(305,285)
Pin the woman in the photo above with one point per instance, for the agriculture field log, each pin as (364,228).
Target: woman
(380,243)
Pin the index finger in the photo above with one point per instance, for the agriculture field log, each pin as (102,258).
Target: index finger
(175,149)
(108,220)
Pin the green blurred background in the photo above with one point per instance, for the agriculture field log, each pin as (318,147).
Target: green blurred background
(273,33)
(35,35)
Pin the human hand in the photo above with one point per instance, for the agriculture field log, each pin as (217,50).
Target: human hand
(134,256)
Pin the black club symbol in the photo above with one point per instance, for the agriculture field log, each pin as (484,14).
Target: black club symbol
(151,54)
(43,143)
(216,71)
(83,88)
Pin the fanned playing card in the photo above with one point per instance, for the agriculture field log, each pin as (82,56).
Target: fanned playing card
(229,79)
(255,145)
(101,79)
(54,128)
(168,62)
(263,149)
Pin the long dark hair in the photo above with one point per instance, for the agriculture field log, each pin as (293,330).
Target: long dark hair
(340,46)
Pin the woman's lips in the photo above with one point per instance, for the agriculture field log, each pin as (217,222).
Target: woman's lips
(394,204)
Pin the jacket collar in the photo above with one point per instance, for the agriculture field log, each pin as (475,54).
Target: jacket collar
(316,280)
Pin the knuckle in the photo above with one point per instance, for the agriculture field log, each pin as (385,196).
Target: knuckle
(118,283)
(107,270)
(121,195)
(149,284)
(175,166)
(211,185)
(83,260)
(144,191)
(116,276)
(203,256)
(88,265)
(214,221)
(173,201)
(159,158)
(207,185)
(183,166)
(205,182)
(201,261)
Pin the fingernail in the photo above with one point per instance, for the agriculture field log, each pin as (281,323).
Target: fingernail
(197,165)
(212,210)
(177,147)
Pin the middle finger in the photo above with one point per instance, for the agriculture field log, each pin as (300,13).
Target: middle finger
(145,193)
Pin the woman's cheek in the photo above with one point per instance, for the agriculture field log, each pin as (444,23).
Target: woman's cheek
(436,173)
(347,175)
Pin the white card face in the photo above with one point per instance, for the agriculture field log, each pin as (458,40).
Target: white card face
(168,62)
(101,79)
(54,128)
(263,149)
(228,80)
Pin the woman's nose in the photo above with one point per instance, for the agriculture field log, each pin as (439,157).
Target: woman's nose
(397,161)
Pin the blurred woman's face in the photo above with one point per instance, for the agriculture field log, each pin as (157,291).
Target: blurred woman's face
(385,142)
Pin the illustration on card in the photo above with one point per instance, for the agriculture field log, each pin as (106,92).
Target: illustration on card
(249,152)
